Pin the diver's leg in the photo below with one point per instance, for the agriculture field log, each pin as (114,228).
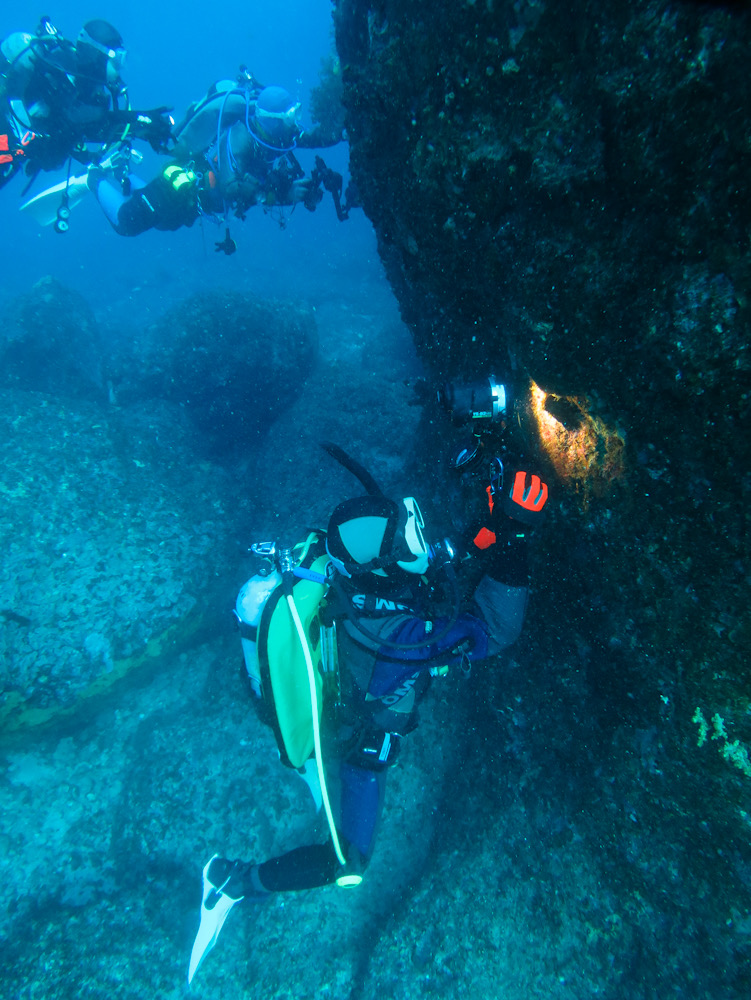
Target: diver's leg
(227,882)
(360,807)
(360,801)
(502,608)
(359,797)
(302,868)
(360,794)
(129,215)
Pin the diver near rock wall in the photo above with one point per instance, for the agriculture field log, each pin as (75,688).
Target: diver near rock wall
(343,633)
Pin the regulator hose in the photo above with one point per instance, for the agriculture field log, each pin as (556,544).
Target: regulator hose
(357,470)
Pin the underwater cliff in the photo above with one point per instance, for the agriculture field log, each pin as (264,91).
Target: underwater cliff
(561,194)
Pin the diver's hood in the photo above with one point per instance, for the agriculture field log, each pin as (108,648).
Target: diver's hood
(374,536)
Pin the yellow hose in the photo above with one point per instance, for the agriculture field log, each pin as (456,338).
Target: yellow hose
(316,727)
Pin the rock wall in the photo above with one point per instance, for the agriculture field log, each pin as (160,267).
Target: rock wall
(561,194)
(564,193)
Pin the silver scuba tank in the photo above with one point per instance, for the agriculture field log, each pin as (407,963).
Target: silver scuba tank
(248,610)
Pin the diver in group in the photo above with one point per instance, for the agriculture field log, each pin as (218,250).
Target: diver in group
(342,634)
(61,100)
(235,150)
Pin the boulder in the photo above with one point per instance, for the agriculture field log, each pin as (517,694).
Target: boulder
(115,549)
(233,362)
(51,343)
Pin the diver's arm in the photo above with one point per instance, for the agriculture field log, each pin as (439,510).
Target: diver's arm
(321,137)
(281,187)
(243,192)
(155,126)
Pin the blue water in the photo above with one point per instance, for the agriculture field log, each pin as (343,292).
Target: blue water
(174,53)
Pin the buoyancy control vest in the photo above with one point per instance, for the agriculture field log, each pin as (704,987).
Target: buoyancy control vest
(273,652)
(286,656)
(275,658)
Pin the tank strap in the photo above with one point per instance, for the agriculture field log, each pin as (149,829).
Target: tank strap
(247,631)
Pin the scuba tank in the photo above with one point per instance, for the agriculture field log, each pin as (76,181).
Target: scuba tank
(248,610)
(227,102)
(284,645)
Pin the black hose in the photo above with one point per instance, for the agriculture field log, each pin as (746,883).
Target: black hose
(357,470)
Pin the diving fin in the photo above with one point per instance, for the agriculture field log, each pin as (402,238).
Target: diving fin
(45,206)
(215,906)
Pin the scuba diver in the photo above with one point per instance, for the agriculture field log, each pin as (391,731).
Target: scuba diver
(234,150)
(342,634)
(63,101)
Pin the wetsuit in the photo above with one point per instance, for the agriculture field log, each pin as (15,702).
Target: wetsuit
(171,200)
(50,110)
(382,687)
(214,184)
(382,684)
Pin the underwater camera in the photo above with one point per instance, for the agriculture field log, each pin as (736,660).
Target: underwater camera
(482,404)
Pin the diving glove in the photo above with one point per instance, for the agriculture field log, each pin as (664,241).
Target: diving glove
(526,500)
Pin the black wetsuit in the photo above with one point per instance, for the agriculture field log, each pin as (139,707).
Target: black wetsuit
(49,111)
(385,683)
(382,687)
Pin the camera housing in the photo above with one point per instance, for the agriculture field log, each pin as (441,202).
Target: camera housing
(482,404)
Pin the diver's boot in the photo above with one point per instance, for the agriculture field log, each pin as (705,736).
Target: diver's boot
(237,879)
